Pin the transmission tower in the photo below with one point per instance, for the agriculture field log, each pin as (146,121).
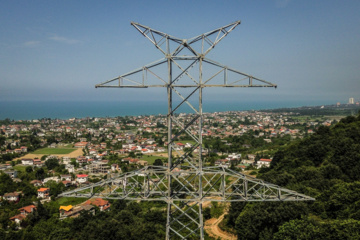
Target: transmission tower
(185,183)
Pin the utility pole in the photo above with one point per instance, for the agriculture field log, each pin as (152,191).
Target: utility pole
(185,183)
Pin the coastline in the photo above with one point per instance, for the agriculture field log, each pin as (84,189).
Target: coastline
(29,110)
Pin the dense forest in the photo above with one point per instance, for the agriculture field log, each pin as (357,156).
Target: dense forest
(126,220)
(325,166)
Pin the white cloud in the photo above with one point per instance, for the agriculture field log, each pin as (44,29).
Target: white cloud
(64,40)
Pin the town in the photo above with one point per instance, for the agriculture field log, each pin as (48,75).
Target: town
(42,158)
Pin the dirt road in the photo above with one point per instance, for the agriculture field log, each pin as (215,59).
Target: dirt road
(212,228)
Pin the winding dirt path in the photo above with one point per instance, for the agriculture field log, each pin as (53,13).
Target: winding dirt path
(212,228)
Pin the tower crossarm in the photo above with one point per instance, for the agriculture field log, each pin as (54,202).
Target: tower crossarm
(219,184)
(218,35)
(150,76)
(162,41)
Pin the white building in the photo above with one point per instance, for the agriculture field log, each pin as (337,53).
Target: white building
(82,178)
(263,163)
(27,161)
(43,192)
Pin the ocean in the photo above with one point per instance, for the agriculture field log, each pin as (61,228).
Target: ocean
(28,110)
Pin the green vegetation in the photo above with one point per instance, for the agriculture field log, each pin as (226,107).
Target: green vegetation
(326,166)
(50,151)
(65,201)
(126,220)
(20,168)
(151,158)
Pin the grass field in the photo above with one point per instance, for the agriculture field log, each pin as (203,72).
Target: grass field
(47,151)
(20,168)
(151,159)
(64,201)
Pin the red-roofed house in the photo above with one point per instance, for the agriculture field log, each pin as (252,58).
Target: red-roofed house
(43,192)
(102,204)
(82,178)
(28,209)
(38,163)
(17,150)
(133,161)
(18,218)
(263,163)
(67,183)
(81,144)
(23,149)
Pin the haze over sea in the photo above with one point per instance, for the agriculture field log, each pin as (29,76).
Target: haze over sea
(28,110)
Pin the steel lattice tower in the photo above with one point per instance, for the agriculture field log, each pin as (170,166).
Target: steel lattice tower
(185,183)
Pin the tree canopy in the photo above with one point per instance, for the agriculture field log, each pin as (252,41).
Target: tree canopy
(326,166)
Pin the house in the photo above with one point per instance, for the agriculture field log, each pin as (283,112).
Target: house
(66,177)
(114,167)
(55,179)
(81,144)
(38,163)
(263,163)
(133,161)
(222,163)
(82,178)
(43,192)
(18,218)
(65,210)
(179,146)
(23,149)
(27,210)
(161,149)
(3,167)
(67,183)
(81,160)
(27,161)
(17,150)
(74,211)
(70,168)
(11,173)
(12,197)
(93,151)
(247,161)
(36,183)
(102,204)
(66,160)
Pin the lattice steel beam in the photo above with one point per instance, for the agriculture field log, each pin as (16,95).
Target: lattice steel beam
(185,183)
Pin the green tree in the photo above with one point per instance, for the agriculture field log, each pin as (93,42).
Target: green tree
(158,162)
(52,163)
(29,169)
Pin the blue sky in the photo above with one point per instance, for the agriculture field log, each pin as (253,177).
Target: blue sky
(59,50)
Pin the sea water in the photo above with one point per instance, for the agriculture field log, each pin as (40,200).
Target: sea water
(27,110)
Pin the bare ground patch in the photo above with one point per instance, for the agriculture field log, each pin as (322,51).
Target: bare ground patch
(74,154)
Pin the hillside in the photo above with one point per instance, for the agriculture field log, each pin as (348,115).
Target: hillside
(326,166)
